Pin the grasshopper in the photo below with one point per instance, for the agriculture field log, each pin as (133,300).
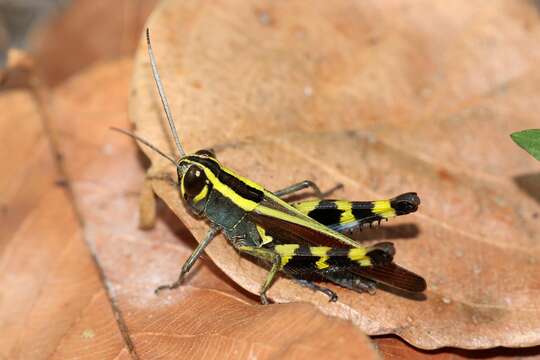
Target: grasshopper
(306,240)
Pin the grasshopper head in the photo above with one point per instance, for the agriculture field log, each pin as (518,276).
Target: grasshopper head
(194,184)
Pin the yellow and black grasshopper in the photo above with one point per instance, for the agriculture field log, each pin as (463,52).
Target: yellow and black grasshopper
(304,240)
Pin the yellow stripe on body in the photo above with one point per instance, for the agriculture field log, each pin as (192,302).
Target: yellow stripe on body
(249,182)
(347,215)
(201,195)
(383,208)
(182,188)
(345,206)
(320,251)
(359,255)
(306,206)
(286,252)
(244,204)
(265,238)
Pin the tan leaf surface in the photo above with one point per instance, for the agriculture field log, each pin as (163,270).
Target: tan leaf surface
(385,98)
(210,317)
(392,348)
(51,292)
(86,32)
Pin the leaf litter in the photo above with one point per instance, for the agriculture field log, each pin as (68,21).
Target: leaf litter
(210,316)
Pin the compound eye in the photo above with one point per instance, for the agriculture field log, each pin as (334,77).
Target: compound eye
(194,181)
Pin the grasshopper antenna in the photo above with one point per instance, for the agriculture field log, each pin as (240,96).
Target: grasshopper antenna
(142,141)
(162,95)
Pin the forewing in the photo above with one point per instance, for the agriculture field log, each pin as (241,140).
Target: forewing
(394,276)
(281,219)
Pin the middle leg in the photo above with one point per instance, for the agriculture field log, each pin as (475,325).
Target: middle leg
(300,186)
(269,255)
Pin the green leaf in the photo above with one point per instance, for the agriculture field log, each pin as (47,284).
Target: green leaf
(528,140)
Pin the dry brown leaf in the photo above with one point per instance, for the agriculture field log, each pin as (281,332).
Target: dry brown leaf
(51,292)
(210,317)
(86,32)
(18,71)
(384,98)
(395,349)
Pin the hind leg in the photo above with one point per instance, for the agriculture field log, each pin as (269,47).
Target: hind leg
(358,284)
(332,296)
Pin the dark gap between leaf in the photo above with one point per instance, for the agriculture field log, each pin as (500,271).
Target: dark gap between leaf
(409,349)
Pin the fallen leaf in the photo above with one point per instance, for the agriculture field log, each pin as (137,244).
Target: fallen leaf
(211,317)
(384,98)
(87,32)
(51,289)
(18,72)
(395,349)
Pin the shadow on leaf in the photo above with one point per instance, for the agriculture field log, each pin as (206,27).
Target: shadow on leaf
(393,347)
(401,231)
(530,184)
